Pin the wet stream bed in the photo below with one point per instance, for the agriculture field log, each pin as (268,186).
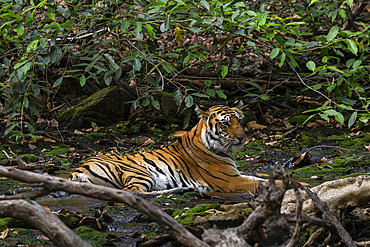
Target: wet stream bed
(335,156)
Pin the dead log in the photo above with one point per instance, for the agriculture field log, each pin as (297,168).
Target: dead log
(43,220)
(339,195)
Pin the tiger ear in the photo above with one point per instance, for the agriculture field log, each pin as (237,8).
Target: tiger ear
(202,111)
(237,104)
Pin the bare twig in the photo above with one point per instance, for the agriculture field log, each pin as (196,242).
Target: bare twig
(294,240)
(347,239)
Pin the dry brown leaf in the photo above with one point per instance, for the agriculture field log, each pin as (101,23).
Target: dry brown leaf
(214,211)
(314,124)
(5,234)
(31,147)
(367,147)
(54,123)
(143,141)
(254,125)
(95,126)
(77,132)
(47,208)
(40,120)
(323,160)
(287,124)
(271,143)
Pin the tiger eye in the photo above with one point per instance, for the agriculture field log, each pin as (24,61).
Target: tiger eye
(226,124)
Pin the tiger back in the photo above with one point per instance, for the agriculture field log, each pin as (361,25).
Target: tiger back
(200,159)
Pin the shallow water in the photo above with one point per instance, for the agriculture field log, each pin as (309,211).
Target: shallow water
(125,224)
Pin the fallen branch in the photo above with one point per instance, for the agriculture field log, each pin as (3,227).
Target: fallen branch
(347,239)
(43,220)
(176,230)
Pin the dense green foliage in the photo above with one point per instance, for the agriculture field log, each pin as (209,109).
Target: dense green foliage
(159,40)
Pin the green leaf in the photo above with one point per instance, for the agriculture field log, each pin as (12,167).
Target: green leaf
(110,58)
(236,13)
(251,13)
(30,128)
(282,59)
(200,95)
(254,84)
(186,60)
(171,54)
(265,97)
(58,81)
(151,31)
(138,27)
(352,119)
(146,101)
(334,69)
(331,112)
(32,45)
(311,65)
(350,62)
(155,103)
(270,34)
(332,33)
(312,2)
(360,89)
(357,63)
(339,117)
(82,80)
(221,94)
(224,71)
(325,117)
(205,4)
(137,64)
(194,29)
(352,46)
(177,96)
(124,26)
(210,92)
(26,67)
(189,101)
(274,53)
(43,42)
(349,2)
(167,23)
(208,83)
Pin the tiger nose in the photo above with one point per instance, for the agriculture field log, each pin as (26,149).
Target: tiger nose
(240,136)
(241,139)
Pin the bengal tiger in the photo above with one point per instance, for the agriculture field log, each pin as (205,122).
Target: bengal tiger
(200,159)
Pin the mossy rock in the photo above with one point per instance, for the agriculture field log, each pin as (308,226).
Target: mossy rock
(94,237)
(105,107)
(8,222)
(307,140)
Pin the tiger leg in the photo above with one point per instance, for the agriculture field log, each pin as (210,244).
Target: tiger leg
(249,183)
(244,184)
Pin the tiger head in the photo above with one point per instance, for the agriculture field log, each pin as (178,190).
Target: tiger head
(223,132)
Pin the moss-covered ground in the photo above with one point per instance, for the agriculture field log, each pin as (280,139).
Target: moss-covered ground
(333,153)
